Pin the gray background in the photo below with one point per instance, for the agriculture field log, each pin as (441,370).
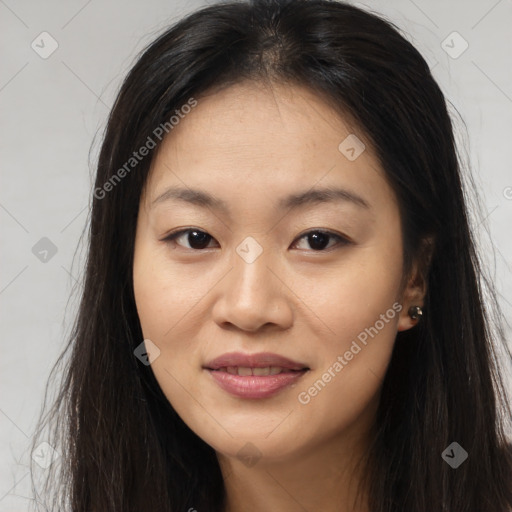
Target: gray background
(53,109)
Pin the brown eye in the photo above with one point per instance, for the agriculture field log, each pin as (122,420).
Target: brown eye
(318,240)
(195,238)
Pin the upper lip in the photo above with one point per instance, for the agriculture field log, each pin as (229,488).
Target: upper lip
(261,360)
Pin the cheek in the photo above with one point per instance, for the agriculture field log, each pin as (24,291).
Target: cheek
(169,300)
(165,313)
(150,296)
(351,295)
(360,306)
(165,294)
(342,394)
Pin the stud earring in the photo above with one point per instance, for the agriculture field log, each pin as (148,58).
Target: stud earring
(415,312)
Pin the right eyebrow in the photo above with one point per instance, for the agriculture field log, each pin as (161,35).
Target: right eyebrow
(193,196)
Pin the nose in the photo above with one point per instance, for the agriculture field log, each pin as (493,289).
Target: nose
(253,295)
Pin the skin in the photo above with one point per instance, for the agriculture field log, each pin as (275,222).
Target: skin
(250,145)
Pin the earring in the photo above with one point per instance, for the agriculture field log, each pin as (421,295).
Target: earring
(415,312)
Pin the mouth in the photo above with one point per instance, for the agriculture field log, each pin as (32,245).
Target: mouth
(255,375)
(245,371)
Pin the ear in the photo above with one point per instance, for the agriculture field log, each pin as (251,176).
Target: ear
(416,288)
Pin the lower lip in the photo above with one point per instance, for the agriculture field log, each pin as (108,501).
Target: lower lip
(254,386)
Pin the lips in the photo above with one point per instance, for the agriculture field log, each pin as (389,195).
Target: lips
(264,370)
(262,360)
(254,375)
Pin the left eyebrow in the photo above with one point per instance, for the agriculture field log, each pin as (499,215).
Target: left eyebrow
(293,201)
(323,195)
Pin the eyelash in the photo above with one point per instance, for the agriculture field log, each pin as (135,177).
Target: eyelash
(342,240)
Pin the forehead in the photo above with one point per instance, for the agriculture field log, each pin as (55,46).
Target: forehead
(270,139)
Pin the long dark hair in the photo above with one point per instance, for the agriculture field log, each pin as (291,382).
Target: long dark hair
(122,445)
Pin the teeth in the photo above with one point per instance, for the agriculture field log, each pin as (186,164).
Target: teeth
(245,371)
(261,371)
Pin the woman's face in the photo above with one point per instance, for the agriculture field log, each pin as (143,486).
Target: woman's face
(272,263)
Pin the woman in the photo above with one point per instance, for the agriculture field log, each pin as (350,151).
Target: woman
(282,305)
